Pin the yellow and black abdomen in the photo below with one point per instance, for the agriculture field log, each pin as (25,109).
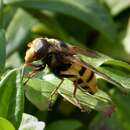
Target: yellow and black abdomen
(84,77)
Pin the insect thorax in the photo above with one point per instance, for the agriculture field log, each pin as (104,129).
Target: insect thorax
(56,63)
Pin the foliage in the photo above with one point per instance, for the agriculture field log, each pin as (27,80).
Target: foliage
(102,25)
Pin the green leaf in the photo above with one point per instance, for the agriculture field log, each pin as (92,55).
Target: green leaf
(126,39)
(7,85)
(117,6)
(100,101)
(122,112)
(2,50)
(11,97)
(104,46)
(119,119)
(43,88)
(38,92)
(100,122)
(114,71)
(90,12)
(16,105)
(5,124)
(18,30)
(9,12)
(64,125)
(1,14)
(48,25)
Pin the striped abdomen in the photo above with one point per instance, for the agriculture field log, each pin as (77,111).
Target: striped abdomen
(83,76)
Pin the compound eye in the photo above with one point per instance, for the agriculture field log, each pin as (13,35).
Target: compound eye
(40,46)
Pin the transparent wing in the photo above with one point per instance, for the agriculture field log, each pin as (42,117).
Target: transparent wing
(85,51)
(76,60)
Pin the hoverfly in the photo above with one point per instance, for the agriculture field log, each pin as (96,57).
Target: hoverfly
(63,61)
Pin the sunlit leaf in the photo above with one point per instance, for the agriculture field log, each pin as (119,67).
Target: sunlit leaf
(7,85)
(16,105)
(11,97)
(126,39)
(117,6)
(40,91)
(100,101)
(5,124)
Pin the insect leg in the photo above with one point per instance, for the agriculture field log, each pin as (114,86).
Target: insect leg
(75,87)
(53,93)
(36,69)
(74,95)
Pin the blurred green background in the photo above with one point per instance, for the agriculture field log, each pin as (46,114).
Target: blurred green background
(102,25)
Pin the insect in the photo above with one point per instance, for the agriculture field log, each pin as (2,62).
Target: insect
(63,61)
